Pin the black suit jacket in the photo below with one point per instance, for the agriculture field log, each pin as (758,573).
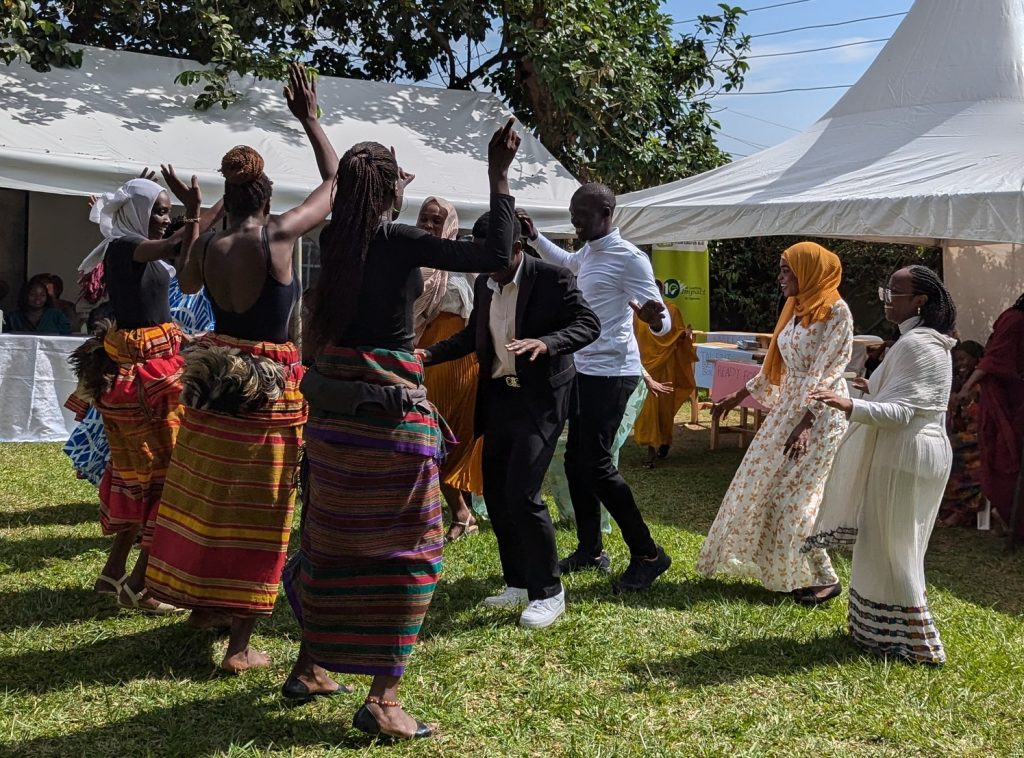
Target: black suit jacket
(549,308)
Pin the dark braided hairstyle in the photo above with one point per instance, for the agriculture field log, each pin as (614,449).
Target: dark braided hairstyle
(939,313)
(1019,305)
(364,191)
(247,189)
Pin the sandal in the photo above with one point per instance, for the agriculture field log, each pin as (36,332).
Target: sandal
(367,723)
(468,529)
(809,595)
(115,584)
(134,603)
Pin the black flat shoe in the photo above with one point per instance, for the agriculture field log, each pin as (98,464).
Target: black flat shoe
(297,692)
(366,722)
(807,596)
(663,451)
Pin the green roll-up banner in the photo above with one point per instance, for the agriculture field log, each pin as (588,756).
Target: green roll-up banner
(685,270)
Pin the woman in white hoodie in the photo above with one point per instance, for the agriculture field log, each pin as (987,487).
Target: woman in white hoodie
(890,472)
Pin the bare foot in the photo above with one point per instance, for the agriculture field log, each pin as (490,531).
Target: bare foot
(245,660)
(393,721)
(204,619)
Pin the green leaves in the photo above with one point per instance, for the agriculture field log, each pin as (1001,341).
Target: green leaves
(611,88)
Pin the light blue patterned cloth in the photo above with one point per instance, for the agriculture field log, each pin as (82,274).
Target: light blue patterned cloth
(87,447)
(558,485)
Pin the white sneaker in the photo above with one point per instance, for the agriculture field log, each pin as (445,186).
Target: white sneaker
(540,614)
(512,597)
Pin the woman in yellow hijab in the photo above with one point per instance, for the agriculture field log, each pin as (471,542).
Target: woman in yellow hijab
(772,503)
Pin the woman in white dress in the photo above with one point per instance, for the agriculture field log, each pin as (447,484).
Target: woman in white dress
(891,470)
(772,503)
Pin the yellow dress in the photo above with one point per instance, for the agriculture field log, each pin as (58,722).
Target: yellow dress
(451,387)
(668,358)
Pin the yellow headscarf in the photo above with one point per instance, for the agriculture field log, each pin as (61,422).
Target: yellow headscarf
(818,274)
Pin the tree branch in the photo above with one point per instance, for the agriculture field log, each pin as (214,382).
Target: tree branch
(465,81)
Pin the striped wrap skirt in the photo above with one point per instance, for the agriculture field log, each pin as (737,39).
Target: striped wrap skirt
(222,529)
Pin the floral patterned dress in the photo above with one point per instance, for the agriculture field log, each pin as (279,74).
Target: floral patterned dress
(772,503)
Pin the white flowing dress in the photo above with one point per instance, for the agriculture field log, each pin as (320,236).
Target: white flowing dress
(770,508)
(885,491)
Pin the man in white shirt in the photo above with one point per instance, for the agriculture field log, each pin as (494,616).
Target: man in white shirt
(616,280)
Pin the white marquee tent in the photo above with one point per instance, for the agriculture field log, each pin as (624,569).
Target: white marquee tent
(81,131)
(927,147)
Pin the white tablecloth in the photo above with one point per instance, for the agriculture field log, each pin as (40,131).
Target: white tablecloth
(35,380)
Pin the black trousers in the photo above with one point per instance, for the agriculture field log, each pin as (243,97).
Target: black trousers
(519,442)
(597,408)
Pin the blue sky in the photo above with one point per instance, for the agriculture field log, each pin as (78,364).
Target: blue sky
(742,132)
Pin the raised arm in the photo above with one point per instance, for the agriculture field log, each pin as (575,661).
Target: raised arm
(494,254)
(197,221)
(300,94)
(547,249)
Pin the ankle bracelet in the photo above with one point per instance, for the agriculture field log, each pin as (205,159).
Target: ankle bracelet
(374,700)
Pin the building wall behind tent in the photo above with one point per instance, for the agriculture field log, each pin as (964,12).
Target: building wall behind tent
(13,205)
(60,235)
(984,280)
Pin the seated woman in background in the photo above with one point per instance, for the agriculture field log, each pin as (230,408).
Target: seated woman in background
(37,312)
(964,498)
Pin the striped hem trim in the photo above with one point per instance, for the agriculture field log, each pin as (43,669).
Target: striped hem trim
(844,536)
(906,632)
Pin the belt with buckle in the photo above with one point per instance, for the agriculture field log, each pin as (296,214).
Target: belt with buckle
(511,381)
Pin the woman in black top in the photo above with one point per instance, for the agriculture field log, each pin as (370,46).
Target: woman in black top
(223,524)
(131,372)
(372,529)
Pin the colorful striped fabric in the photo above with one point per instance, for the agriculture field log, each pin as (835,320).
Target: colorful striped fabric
(451,387)
(422,431)
(902,631)
(140,413)
(371,554)
(222,528)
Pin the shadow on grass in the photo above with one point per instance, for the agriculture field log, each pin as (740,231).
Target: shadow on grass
(45,607)
(212,726)
(173,652)
(69,514)
(680,596)
(36,552)
(767,656)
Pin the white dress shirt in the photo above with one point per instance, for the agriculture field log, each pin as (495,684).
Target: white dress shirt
(503,323)
(610,272)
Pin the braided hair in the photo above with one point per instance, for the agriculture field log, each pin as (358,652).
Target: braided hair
(364,189)
(247,189)
(939,313)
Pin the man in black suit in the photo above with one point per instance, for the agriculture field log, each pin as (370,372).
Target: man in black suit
(526,323)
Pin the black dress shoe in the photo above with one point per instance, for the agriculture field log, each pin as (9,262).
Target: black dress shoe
(297,692)
(641,572)
(663,451)
(808,596)
(366,722)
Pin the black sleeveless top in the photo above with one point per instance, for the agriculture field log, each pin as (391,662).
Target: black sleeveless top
(138,291)
(269,317)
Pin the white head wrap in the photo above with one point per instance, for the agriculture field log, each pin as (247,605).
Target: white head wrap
(122,214)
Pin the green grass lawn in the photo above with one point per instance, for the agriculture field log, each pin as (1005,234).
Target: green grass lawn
(694,667)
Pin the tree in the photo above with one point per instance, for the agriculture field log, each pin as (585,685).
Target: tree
(609,87)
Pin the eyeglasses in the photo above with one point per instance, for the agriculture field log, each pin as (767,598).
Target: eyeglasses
(886,295)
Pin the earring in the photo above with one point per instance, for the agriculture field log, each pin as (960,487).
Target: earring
(919,310)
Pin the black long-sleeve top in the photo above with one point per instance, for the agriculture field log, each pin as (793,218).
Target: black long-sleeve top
(392,279)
